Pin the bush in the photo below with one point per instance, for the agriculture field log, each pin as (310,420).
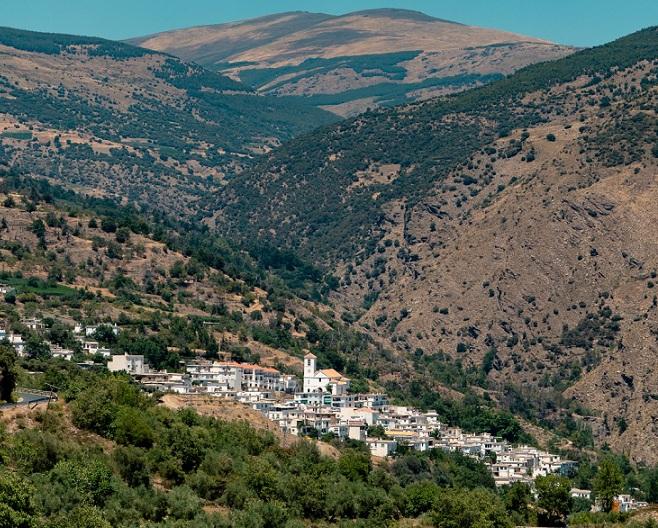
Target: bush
(80,517)
(420,497)
(457,508)
(183,503)
(17,509)
(131,462)
(33,451)
(131,427)
(94,411)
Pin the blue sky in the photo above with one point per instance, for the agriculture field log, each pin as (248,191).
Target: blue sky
(576,22)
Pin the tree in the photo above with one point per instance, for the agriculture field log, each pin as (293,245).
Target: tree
(131,462)
(480,508)
(108,225)
(39,229)
(94,411)
(80,517)
(131,427)
(554,498)
(90,480)
(183,503)
(420,497)
(608,482)
(652,485)
(355,464)
(7,372)
(37,348)
(122,235)
(16,506)
(376,431)
(10,297)
(105,334)
(518,500)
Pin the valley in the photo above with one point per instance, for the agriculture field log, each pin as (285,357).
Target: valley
(507,233)
(359,270)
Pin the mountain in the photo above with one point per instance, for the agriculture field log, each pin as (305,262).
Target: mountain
(102,193)
(505,229)
(177,291)
(130,123)
(351,62)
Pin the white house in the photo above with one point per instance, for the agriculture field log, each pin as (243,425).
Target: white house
(132,364)
(327,380)
(229,376)
(581,493)
(33,323)
(59,352)
(16,340)
(90,347)
(381,447)
(162,381)
(89,331)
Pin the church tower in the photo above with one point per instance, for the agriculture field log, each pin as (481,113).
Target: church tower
(309,370)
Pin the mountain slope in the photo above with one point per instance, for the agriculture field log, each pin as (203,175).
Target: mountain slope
(350,62)
(129,122)
(502,228)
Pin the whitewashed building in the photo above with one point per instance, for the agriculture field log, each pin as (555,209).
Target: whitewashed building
(381,447)
(62,353)
(132,364)
(326,380)
(33,323)
(17,341)
(229,376)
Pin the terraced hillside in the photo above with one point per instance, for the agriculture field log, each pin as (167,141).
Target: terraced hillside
(351,62)
(505,229)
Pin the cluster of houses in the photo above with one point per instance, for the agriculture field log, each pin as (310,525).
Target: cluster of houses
(84,335)
(324,406)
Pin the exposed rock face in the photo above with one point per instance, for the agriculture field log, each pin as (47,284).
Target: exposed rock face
(507,228)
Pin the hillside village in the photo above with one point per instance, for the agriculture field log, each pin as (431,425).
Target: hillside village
(322,406)
(272,294)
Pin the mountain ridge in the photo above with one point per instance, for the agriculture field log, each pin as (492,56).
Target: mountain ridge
(132,123)
(496,228)
(365,52)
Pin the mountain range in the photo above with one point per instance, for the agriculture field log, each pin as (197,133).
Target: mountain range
(492,242)
(131,123)
(348,63)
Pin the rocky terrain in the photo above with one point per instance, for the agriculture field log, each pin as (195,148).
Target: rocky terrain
(512,239)
(492,242)
(351,62)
